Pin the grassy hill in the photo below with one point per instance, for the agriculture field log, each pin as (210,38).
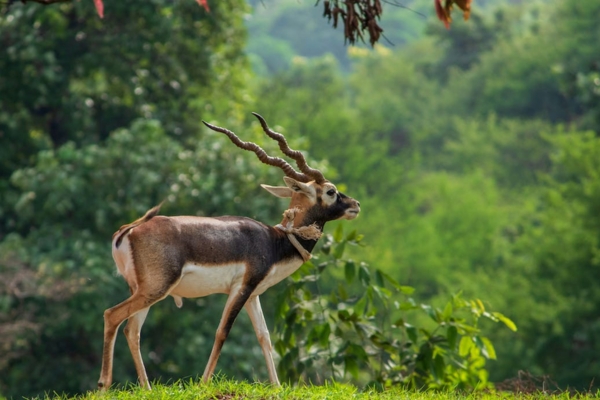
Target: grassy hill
(223,389)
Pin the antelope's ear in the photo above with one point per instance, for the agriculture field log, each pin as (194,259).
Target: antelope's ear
(299,187)
(279,191)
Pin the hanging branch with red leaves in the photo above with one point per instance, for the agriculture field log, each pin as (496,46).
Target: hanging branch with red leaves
(358,16)
(443,12)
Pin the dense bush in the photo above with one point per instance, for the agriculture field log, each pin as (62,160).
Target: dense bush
(341,319)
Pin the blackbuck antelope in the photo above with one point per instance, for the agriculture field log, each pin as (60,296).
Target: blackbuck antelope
(191,257)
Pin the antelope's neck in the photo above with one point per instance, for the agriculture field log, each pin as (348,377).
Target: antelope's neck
(301,221)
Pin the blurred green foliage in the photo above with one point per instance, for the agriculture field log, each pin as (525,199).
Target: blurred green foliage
(475,154)
(354,331)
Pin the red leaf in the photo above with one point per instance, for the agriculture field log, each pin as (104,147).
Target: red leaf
(204,3)
(464,5)
(442,14)
(99,8)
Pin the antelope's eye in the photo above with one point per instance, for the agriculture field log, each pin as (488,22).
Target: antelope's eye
(331,192)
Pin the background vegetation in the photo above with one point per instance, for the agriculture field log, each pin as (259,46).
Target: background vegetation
(474,152)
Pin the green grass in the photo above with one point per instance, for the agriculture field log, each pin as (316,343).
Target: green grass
(222,389)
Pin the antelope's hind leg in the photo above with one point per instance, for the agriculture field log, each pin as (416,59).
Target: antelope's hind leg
(132,333)
(113,318)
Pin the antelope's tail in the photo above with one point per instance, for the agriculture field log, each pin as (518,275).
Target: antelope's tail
(118,235)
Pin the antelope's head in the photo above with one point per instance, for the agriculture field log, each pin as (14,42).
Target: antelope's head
(317,199)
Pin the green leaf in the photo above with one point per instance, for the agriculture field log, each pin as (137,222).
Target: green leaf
(451,335)
(507,321)
(324,335)
(307,316)
(364,274)
(407,289)
(282,308)
(338,235)
(383,276)
(351,366)
(432,312)
(343,315)
(489,347)
(438,367)
(280,347)
(361,305)
(407,305)
(286,363)
(483,376)
(379,278)
(466,328)
(321,267)
(382,293)
(291,317)
(301,367)
(426,355)
(465,346)
(351,236)
(339,250)
(411,331)
(359,352)
(458,301)
(343,293)
(350,271)
(480,305)
(447,313)
(312,336)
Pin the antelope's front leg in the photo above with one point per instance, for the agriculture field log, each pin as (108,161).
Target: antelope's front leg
(235,302)
(262,333)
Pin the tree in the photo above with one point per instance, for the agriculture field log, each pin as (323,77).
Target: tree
(82,151)
(63,80)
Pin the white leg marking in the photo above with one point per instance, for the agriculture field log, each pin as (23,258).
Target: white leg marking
(132,333)
(262,333)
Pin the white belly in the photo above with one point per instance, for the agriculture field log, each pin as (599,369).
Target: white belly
(278,273)
(201,280)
